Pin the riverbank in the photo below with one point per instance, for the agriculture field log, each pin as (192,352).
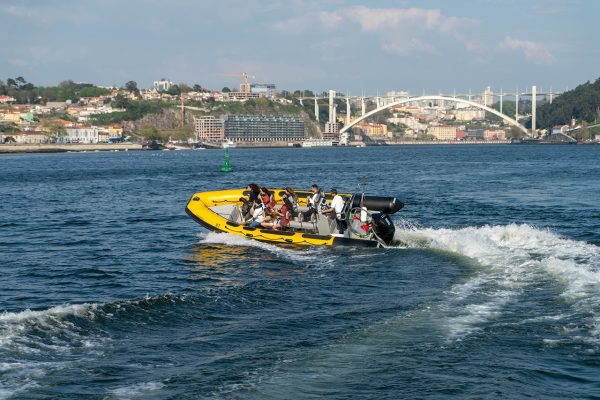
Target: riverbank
(63,148)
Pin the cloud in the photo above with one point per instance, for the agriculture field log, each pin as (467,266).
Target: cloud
(383,19)
(533,51)
(401,31)
(38,55)
(403,47)
(27,12)
(292,25)
(44,14)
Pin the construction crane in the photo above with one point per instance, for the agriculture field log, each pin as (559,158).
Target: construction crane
(245,86)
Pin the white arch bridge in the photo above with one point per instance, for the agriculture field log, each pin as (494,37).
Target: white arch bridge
(509,120)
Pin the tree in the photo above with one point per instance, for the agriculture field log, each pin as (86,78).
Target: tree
(582,133)
(68,84)
(150,132)
(225,90)
(197,88)
(9,139)
(187,132)
(184,88)
(131,86)
(174,90)
(515,133)
(53,128)
(11,83)
(121,101)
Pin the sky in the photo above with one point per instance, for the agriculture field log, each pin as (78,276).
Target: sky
(355,47)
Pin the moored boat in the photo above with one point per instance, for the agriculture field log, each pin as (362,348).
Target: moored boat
(368,221)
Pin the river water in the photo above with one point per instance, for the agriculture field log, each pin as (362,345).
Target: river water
(110,291)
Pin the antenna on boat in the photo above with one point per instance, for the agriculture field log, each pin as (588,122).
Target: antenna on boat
(362,185)
(226,164)
(363,210)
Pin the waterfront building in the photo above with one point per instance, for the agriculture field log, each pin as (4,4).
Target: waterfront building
(494,134)
(25,137)
(442,132)
(209,129)
(475,134)
(80,134)
(332,131)
(373,129)
(263,128)
(107,134)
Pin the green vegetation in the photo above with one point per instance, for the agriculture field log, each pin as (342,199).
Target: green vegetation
(10,127)
(134,110)
(581,103)
(252,106)
(53,128)
(25,92)
(152,133)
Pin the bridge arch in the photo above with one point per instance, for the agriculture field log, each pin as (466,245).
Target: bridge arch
(506,118)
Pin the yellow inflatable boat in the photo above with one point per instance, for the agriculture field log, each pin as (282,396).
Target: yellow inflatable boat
(367,219)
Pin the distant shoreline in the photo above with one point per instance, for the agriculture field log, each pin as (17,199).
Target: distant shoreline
(63,148)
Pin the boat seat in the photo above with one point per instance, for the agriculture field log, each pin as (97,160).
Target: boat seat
(302,225)
(236,215)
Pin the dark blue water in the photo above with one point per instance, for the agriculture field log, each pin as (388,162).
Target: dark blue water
(109,290)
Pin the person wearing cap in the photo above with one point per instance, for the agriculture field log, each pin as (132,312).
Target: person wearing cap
(337,205)
(313,202)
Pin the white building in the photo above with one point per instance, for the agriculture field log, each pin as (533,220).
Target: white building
(80,134)
(410,122)
(25,137)
(163,85)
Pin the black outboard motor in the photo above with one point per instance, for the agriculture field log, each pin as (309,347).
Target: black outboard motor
(384,227)
(387,205)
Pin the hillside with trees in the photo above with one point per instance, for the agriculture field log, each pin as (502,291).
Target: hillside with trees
(27,93)
(581,103)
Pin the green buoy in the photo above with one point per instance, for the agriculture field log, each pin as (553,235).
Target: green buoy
(226,164)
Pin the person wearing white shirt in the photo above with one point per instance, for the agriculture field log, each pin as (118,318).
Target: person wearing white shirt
(258,216)
(337,205)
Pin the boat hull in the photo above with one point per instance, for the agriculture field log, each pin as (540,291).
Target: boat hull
(198,208)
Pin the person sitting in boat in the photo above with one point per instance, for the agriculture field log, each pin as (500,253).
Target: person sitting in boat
(336,207)
(293,199)
(254,194)
(285,213)
(246,208)
(258,216)
(272,219)
(267,197)
(313,201)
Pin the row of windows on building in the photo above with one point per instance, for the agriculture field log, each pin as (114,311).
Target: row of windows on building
(249,128)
